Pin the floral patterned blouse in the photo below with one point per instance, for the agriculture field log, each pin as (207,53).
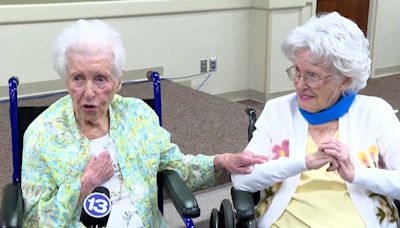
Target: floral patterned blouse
(55,155)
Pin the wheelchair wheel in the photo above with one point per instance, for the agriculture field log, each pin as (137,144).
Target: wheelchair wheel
(226,215)
(214,220)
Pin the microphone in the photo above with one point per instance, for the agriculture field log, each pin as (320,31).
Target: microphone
(96,208)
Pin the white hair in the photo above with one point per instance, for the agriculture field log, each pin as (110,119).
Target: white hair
(336,43)
(86,36)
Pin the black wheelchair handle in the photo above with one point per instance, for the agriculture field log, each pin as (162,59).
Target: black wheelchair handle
(251,112)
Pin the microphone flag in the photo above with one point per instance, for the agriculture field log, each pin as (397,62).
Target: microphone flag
(96,208)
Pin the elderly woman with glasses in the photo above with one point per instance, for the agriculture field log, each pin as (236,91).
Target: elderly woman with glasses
(334,155)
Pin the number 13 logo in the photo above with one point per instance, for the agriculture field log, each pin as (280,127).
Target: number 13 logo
(97,205)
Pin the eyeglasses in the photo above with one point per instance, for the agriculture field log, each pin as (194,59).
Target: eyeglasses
(309,78)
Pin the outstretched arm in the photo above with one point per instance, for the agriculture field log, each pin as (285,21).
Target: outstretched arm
(240,163)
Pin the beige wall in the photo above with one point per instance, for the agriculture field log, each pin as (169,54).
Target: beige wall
(384,34)
(244,35)
(270,23)
(172,34)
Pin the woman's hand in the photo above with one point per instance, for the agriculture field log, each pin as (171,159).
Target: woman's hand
(340,152)
(318,159)
(238,163)
(97,171)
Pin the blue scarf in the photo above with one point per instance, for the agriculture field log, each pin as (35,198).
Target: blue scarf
(332,113)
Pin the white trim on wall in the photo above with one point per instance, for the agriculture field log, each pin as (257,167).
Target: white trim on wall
(108,9)
(387,71)
(57,85)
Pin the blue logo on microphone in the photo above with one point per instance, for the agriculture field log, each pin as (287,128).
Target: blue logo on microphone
(97,205)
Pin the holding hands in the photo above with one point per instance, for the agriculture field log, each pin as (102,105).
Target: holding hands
(340,153)
(335,153)
(318,159)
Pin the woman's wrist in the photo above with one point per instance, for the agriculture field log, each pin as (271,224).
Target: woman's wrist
(218,165)
(219,162)
(86,188)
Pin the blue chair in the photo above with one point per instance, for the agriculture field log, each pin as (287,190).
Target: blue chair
(12,209)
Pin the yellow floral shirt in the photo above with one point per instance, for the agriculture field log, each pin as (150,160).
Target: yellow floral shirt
(55,155)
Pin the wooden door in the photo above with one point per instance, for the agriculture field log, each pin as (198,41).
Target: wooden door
(356,10)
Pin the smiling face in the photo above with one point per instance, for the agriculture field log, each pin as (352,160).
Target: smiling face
(323,95)
(91,84)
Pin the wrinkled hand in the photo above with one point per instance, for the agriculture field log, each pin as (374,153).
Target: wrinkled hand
(340,152)
(98,170)
(238,163)
(318,159)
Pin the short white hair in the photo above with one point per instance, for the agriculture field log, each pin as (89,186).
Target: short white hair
(84,36)
(336,43)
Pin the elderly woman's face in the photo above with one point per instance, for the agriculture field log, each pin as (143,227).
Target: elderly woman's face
(320,96)
(91,84)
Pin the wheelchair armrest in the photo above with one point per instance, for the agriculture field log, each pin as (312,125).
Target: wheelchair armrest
(181,196)
(11,211)
(243,204)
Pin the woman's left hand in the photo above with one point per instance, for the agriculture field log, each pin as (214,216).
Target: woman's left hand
(340,152)
(238,163)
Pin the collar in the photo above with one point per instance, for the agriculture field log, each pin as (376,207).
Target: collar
(334,112)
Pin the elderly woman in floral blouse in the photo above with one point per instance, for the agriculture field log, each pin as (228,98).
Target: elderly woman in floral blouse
(334,154)
(95,137)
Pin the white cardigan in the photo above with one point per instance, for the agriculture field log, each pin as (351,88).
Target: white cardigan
(369,121)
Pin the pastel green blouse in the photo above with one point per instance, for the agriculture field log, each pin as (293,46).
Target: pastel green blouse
(55,155)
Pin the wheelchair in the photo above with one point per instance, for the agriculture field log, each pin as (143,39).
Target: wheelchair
(11,211)
(243,202)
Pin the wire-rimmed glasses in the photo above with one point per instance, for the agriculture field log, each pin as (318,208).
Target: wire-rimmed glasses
(309,78)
